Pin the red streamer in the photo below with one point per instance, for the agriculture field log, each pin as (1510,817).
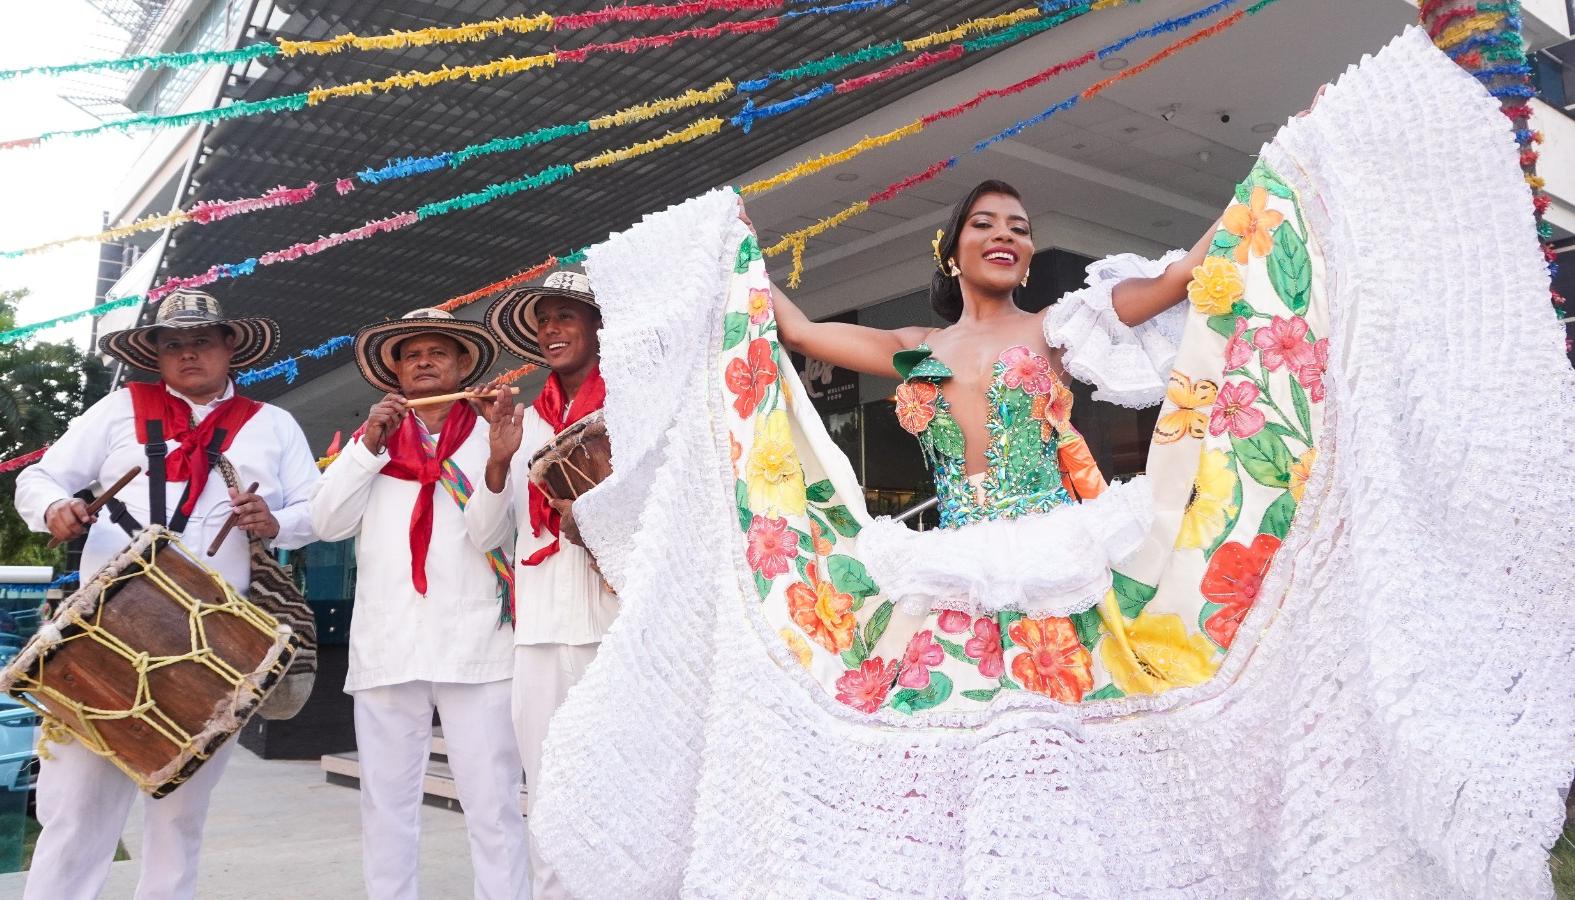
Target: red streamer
(646,13)
(503,284)
(26,459)
(1449,18)
(1168,52)
(1019,87)
(922,61)
(896,188)
(636,44)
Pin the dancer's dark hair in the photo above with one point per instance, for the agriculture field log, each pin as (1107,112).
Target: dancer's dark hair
(946,289)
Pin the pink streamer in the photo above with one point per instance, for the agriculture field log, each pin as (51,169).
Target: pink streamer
(214,210)
(312,248)
(923,61)
(344,186)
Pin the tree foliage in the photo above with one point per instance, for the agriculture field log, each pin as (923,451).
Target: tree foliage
(43,386)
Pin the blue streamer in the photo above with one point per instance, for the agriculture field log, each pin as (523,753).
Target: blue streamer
(68,578)
(289,369)
(751,113)
(404,168)
(1166,27)
(1014,130)
(1525,91)
(852,6)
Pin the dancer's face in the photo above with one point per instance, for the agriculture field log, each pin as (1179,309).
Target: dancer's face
(195,361)
(429,364)
(996,244)
(566,330)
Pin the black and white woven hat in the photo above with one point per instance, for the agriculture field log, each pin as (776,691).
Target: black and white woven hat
(512,317)
(375,346)
(255,337)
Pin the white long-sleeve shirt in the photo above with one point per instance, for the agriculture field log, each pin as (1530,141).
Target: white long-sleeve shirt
(452,633)
(101,445)
(564,599)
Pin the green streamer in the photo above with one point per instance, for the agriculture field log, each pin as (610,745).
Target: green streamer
(528,139)
(151,61)
(287,103)
(839,61)
(495,192)
(27,331)
(1021,30)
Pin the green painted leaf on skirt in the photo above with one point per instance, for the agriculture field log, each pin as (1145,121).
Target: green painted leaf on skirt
(1265,458)
(735,327)
(910,701)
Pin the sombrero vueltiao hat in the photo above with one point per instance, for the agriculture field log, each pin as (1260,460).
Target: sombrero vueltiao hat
(255,337)
(513,316)
(375,345)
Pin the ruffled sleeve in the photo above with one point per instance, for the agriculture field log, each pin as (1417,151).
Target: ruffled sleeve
(1126,365)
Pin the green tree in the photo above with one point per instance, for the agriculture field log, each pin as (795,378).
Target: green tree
(43,386)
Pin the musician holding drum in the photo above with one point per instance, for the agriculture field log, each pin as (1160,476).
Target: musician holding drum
(175,429)
(565,607)
(432,611)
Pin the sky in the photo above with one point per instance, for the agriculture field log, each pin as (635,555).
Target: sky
(63,187)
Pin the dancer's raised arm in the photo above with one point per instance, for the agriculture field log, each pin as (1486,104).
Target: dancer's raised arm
(1137,300)
(857,347)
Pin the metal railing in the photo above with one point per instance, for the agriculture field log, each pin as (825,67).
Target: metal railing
(914,511)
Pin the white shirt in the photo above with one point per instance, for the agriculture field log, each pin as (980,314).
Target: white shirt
(564,599)
(453,633)
(101,445)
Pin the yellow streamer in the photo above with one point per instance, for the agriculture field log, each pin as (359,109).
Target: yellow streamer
(796,240)
(421,37)
(146,223)
(508,65)
(699,129)
(1471,27)
(811,166)
(640,112)
(973,26)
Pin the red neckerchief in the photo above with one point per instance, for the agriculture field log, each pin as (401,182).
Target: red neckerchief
(553,407)
(408,460)
(187,459)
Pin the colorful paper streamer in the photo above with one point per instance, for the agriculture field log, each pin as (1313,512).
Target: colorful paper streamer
(509,65)
(796,241)
(26,459)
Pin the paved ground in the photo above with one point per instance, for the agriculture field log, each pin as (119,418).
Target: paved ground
(276,829)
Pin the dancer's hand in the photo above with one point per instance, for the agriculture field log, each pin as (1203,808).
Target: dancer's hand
(744,217)
(1314,104)
(385,416)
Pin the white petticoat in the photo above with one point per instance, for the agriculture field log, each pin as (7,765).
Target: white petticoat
(1047,564)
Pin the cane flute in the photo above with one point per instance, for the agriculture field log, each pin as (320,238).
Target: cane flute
(229,525)
(101,499)
(460,395)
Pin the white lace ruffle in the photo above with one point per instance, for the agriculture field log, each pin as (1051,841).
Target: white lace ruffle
(1395,719)
(1049,564)
(1128,366)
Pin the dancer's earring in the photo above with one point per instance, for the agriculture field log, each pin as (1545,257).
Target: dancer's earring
(951,268)
(1024,282)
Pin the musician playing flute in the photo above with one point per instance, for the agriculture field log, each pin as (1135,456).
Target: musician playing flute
(431,628)
(565,605)
(171,427)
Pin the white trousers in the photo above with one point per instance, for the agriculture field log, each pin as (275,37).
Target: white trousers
(393,733)
(543,674)
(83,802)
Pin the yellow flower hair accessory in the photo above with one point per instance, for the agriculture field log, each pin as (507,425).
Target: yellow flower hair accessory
(935,245)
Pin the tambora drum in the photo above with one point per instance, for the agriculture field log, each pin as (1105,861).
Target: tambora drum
(153,664)
(575,461)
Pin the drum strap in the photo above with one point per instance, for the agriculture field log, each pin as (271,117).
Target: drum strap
(156,478)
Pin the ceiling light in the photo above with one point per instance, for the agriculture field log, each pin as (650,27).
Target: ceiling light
(1079,146)
(1113,64)
(1169,112)
(847,176)
(1204,156)
(1162,223)
(1131,129)
(1264,128)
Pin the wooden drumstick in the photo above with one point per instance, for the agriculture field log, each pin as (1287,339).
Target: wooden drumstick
(462,395)
(229,525)
(101,499)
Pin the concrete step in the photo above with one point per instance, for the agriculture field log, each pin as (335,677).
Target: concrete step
(437,785)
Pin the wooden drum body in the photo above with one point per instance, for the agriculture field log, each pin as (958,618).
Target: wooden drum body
(574,461)
(153,664)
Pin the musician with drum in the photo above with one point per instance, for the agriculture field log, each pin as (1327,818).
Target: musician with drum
(565,607)
(432,611)
(175,429)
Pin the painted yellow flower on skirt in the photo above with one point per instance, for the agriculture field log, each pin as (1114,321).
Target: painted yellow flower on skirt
(773,473)
(1215,286)
(1213,501)
(1301,470)
(797,646)
(1159,655)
